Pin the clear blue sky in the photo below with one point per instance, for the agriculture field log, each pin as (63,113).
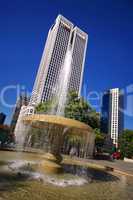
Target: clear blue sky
(23,30)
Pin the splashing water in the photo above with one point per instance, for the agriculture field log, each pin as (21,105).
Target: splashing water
(23,167)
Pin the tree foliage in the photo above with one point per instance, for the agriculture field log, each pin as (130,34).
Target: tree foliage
(44,107)
(126,144)
(5,136)
(80,109)
(76,108)
(100,138)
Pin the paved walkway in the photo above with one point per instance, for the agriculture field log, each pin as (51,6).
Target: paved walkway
(118,165)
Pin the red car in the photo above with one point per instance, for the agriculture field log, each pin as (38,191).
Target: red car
(116,155)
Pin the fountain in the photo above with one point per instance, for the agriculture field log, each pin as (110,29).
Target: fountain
(59,127)
(54,125)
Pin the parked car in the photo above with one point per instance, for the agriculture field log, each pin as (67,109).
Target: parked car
(116,155)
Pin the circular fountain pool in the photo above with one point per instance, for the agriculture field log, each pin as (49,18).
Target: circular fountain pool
(17,183)
(56,128)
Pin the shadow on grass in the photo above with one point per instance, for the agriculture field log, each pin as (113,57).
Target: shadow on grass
(94,174)
(2,163)
(11,181)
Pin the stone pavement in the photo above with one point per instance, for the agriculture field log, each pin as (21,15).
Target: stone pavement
(118,165)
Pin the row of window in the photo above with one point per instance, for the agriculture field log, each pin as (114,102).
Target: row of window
(56,60)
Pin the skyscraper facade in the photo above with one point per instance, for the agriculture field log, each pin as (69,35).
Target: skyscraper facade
(112,121)
(62,37)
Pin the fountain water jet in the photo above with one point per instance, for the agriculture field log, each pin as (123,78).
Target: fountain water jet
(63,83)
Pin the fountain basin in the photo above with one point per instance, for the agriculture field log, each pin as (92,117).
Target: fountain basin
(58,120)
(59,128)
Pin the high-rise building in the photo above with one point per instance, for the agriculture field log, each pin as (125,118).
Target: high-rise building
(112,118)
(62,37)
(2,118)
(23,100)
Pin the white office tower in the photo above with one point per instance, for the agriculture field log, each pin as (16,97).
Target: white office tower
(116,115)
(62,37)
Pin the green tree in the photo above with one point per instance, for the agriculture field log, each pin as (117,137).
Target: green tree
(76,108)
(94,119)
(126,144)
(79,109)
(44,107)
(100,138)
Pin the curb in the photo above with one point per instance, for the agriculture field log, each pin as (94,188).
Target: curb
(112,169)
(123,173)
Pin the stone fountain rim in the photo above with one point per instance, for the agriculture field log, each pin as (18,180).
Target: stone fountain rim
(58,120)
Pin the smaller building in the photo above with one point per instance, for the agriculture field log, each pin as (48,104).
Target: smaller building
(2,118)
(112,117)
(23,100)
